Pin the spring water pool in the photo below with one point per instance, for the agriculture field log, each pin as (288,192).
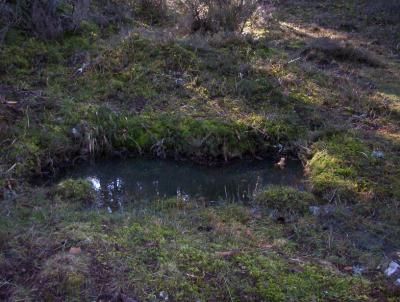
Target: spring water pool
(118,182)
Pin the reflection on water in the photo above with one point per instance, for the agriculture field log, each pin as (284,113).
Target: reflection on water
(119,182)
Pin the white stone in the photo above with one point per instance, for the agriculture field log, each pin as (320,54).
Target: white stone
(393,268)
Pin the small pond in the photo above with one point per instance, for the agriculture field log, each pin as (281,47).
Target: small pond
(119,182)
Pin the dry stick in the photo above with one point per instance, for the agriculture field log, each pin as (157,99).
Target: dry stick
(12,167)
(294,60)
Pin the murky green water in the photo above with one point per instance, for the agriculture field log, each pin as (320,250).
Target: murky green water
(121,182)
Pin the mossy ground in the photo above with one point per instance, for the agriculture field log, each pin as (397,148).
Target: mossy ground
(209,99)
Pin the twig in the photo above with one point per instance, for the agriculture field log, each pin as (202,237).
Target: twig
(294,60)
(12,167)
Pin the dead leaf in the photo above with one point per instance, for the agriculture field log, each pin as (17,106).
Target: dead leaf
(266,246)
(75,250)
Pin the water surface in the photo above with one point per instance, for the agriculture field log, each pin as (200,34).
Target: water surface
(123,181)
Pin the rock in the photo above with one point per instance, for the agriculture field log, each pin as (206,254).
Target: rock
(397,282)
(392,269)
(377,154)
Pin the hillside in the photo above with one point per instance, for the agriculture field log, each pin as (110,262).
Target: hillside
(314,81)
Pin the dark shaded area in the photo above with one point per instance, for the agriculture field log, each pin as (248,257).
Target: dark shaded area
(121,182)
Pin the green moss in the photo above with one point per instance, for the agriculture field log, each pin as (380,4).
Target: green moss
(76,191)
(274,283)
(285,199)
(337,165)
(27,58)
(64,275)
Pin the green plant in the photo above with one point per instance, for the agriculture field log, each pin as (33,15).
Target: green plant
(285,199)
(76,191)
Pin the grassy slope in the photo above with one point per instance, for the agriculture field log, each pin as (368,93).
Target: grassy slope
(184,98)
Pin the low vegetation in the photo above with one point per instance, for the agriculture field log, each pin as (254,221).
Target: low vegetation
(210,82)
